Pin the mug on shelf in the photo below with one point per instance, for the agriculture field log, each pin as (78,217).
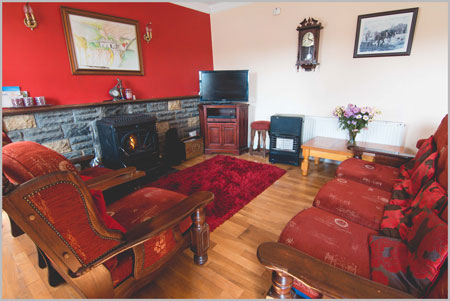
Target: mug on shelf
(17,101)
(28,101)
(128,94)
(40,100)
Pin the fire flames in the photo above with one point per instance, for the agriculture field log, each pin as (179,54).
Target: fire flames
(132,142)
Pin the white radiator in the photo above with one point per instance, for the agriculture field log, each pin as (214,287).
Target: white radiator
(385,132)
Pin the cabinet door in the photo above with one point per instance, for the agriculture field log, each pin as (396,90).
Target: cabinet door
(229,136)
(214,138)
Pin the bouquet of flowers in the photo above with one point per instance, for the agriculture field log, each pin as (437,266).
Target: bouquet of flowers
(354,119)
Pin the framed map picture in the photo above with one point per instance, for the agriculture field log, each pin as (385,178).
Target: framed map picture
(102,44)
(385,34)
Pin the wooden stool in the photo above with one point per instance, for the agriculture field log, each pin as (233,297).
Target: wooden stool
(262,127)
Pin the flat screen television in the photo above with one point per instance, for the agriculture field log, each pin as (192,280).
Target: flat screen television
(224,86)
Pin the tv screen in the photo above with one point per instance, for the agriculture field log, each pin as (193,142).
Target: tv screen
(224,85)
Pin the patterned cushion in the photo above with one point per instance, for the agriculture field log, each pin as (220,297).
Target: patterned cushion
(394,222)
(401,193)
(25,160)
(426,149)
(441,140)
(61,200)
(99,201)
(431,196)
(423,173)
(415,265)
(353,201)
(389,262)
(369,173)
(427,247)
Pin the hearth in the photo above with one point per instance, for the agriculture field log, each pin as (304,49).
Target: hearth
(129,140)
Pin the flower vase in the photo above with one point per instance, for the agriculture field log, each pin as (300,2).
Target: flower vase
(352,137)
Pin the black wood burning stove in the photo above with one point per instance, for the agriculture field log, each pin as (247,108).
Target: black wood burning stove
(129,140)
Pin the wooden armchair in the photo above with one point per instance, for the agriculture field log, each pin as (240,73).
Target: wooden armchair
(100,255)
(25,160)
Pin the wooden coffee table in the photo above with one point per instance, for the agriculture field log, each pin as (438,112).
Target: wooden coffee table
(336,149)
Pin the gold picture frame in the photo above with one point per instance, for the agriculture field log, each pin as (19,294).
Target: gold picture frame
(100,44)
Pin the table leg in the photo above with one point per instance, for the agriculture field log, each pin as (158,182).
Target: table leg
(316,160)
(305,162)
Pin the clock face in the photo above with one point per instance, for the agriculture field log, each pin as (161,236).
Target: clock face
(308,39)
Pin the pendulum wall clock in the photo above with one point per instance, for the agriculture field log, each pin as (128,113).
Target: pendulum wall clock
(308,44)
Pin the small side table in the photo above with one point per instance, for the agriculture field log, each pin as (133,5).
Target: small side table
(336,149)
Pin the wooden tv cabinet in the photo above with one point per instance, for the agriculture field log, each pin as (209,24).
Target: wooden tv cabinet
(224,127)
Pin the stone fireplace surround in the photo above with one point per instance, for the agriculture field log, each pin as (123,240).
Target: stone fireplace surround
(71,130)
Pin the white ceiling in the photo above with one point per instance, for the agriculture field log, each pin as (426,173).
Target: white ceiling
(210,7)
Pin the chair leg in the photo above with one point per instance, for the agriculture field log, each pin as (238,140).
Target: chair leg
(252,141)
(259,141)
(264,143)
(281,286)
(41,260)
(199,237)
(15,229)
(54,278)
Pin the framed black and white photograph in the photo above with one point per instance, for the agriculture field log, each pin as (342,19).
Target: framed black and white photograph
(385,34)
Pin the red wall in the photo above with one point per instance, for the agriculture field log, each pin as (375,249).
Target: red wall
(38,60)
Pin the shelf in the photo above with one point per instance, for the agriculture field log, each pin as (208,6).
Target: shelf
(37,109)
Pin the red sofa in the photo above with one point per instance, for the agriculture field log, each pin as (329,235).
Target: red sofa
(385,226)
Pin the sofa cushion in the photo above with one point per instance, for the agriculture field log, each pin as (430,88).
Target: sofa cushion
(426,149)
(353,201)
(25,160)
(143,204)
(401,193)
(389,262)
(394,221)
(427,247)
(441,141)
(431,196)
(423,173)
(330,238)
(369,173)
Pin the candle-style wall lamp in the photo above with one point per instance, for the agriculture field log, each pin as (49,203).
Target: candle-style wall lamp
(29,20)
(148,32)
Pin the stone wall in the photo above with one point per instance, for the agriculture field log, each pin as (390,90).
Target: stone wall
(73,133)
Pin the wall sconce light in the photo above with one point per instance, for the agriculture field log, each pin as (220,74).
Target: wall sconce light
(29,20)
(148,32)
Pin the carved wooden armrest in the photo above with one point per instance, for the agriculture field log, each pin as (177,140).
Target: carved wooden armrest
(330,281)
(82,159)
(114,178)
(155,225)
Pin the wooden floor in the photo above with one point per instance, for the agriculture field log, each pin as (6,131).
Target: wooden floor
(232,270)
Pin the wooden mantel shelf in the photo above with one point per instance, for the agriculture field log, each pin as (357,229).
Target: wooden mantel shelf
(35,109)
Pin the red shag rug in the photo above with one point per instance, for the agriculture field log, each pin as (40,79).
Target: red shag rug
(234,182)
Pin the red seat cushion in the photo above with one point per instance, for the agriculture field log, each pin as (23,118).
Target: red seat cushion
(330,238)
(25,160)
(260,125)
(369,173)
(142,205)
(353,201)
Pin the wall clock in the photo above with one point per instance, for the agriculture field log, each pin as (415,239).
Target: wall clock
(308,44)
